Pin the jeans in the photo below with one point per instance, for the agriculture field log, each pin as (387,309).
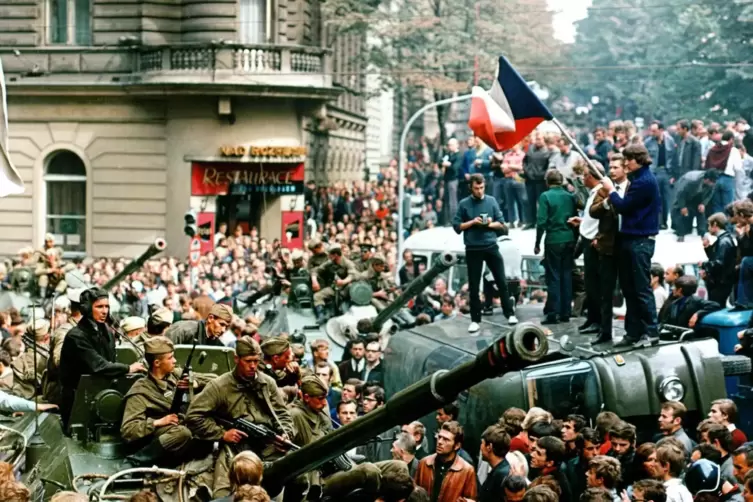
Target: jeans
(683,225)
(635,279)
(534,189)
(498,192)
(745,283)
(665,192)
(608,281)
(475,259)
(724,193)
(593,283)
(451,199)
(517,201)
(558,267)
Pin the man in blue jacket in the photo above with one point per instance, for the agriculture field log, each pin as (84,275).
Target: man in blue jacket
(479,218)
(640,210)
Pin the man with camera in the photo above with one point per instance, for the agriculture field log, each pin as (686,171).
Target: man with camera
(479,218)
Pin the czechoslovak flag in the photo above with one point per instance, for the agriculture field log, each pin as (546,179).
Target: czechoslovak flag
(508,112)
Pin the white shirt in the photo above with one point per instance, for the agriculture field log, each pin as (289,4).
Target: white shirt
(734,162)
(660,296)
(589,226)
(676,491)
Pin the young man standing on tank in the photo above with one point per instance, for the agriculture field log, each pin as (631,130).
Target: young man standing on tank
(478,217)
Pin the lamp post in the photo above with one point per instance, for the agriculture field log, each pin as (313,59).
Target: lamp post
(402,158)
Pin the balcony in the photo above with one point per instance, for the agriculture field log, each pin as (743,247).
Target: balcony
(273,70)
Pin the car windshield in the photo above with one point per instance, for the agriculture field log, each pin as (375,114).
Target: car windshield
(562,390)
(459,275)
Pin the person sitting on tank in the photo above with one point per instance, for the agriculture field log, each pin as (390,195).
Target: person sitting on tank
(687,310)
(296,269)
(28,376)
(363,263)
(381,283)
(89,348)
(159,321)
(244,392)
(206,332)
(148,419)
(49,268)
(279,362)
(318,255)
(134,328)
(333,275)
(447,310)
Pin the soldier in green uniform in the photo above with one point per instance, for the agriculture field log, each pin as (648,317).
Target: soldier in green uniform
(147,419)
(388,480)
(381,283)
(318,254)
(367,253)
(49,268)
(52,392)
(26,379)
(297,269)
(134,328)
(206,332)
(336,272)
(245,392)
(278,362)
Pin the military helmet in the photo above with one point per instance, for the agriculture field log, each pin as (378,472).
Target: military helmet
(703,476)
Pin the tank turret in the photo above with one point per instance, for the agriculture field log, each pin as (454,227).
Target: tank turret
(415,287)
(523,346)
(156,248)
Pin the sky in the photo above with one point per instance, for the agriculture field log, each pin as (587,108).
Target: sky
(567,12)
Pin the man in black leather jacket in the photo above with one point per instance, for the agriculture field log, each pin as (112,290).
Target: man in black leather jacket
(719,271)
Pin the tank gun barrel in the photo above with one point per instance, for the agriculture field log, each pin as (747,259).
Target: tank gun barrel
(519,348)
(156,248)
(442,264)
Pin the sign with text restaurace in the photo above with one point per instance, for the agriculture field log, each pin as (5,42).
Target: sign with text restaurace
(263,151)
(243,178)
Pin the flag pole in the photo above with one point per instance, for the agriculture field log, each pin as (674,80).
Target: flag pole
(594,172)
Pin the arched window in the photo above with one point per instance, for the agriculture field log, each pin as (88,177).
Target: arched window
(65,181)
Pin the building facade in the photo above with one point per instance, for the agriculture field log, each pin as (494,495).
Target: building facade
(125,115)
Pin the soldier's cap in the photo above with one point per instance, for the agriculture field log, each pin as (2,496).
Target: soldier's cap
(158,345)
(297,254)
(367,247)
(74,294)
(335,248)
(378,258)
(314,243)
(274,346)
(222,312)
(162,315)
(131,323)
(39,328)
(247,346)
(313,386)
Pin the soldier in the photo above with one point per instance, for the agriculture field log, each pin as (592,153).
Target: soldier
(6,372)
(244,392)
(389,480)
(147,417)
(52,392)
(337,272)
(27,379)
(134,328)
(278,362)
(49,268)
(318,254)
(297,269)
(89,348)
(204,332)
(380,282)
(311,422)
(367,253)
(159,321)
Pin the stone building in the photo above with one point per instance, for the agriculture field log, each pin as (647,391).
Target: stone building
(124,115)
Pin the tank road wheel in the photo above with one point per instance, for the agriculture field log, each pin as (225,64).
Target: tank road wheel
(736,365)
(529,341)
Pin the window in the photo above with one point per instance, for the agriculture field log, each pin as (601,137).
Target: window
(70,22)
(65,182)
(253,21)
(564,389)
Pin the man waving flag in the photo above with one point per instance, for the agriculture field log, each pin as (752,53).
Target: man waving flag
(10,181)
(508,112)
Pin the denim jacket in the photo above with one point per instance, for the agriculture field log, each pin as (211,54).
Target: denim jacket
(671,152)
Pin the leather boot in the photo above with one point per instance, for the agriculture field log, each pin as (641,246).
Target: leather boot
(319,311)
(148,455)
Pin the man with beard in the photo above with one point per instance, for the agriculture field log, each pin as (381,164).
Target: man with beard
(587,444)
(89,348)
(622,437)
(244,392)
(203,332)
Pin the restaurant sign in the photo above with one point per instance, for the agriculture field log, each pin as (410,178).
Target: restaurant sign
(239,179)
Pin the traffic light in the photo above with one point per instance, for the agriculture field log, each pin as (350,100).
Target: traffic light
(190,228)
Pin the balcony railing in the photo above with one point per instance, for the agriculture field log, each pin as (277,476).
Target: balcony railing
(267,65)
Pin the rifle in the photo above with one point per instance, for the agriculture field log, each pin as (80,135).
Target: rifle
(179,393)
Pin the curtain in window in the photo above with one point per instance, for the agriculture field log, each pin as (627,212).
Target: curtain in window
(253,21)
(59,21)
(83,34)
(66,210)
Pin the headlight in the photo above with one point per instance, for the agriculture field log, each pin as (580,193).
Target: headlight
(672,389)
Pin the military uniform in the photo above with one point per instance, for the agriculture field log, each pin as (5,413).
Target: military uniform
(364,481)
(47,269)
(228,398)
(327,273)
(317,259)
(275,347)
(379,281)
(27,379)
(186,332)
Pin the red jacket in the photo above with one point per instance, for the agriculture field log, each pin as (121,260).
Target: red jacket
(458,483)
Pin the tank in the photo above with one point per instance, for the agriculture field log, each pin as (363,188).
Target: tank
(294,313)
(512,352)
(157,247)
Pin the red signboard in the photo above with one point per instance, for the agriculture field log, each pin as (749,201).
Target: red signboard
(241,178)
(205,222)
(292,229)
